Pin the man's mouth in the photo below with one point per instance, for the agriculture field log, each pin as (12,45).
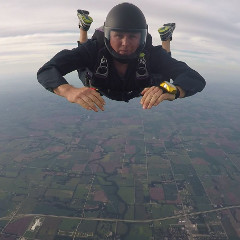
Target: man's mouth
(124,51)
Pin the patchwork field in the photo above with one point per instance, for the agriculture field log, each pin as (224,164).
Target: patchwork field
(171,172)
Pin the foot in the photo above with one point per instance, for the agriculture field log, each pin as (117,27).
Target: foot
(84,19)
(166,31)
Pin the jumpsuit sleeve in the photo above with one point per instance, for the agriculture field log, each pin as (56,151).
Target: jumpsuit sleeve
(181,74)
(51,74)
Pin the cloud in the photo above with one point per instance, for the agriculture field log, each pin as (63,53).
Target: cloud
(207,35)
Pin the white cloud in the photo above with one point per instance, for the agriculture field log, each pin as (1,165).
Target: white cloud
(207,34)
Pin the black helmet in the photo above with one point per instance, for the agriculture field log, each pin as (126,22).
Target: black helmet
(125,17)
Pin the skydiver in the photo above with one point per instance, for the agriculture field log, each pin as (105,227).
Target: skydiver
(84,24)
(124,65)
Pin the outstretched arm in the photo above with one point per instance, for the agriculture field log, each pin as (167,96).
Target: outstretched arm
(51,76)
(186,80)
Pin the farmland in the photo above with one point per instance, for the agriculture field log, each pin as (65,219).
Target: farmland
(121,174)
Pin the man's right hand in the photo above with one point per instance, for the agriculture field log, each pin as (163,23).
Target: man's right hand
(86,97)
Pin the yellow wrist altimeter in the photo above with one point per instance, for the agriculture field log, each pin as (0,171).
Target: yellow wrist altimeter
(168,87)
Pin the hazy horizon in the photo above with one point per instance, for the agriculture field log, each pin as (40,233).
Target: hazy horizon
(206,36)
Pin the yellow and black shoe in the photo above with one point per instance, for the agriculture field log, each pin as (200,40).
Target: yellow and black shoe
(166,31)
(85,20)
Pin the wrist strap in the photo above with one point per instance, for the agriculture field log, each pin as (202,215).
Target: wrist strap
(177,94)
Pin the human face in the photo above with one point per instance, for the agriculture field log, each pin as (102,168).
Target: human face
(124,43)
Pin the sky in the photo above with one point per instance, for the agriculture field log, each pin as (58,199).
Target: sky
(207,34)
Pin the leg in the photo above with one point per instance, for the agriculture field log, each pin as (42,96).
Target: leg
(166,45)
(83,37)
(166,35)
(85,22)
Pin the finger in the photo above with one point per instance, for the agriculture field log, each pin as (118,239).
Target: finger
(97,100)
(147,98)
(146,92)
(92,99)
(151,97)
(85,104)
(99,97)
(154,99)
(165,96)
(90,102)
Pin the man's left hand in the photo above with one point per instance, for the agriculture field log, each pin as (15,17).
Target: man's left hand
(153,96)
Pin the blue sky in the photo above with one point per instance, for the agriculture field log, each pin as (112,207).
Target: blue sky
(207,35)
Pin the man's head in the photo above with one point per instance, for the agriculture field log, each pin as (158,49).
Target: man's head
(125,31)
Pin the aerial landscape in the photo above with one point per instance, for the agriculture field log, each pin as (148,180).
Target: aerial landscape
(172,172)
(126,173)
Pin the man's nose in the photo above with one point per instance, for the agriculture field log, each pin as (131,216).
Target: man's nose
(125,40)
